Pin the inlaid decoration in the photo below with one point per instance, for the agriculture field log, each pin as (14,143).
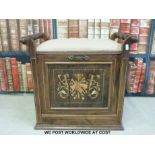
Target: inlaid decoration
(78,86)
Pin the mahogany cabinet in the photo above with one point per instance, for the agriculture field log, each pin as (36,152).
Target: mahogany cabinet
(79,83)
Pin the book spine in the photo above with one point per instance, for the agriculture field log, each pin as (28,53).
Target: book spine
(124,28)
(1,48)
(138,62)
(9,74)
(135,22)
(97,28)
(24,77)
(114,26)
(23,32)
(142,78)
(29,27)
(36,30)
(41,28)
(20,76)
(50,35)
(41,25)
(83,26)
(62,28)
(105,28)
(46,28)
(29,77)
(14,69)
(153,45)
(4,35)
(143,35)
(73,28)
(13,34)
(151,80)
(91,28)
(130,77)
(134,30)
(3,75)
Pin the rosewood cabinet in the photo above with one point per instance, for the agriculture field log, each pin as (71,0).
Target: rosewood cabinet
(79,83)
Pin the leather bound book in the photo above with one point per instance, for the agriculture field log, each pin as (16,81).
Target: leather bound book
(97,28)
(9,74)
(29,77)
(36,30)
(3,75)
(83,26)
(20,76)
(105,28)
(15,76)
(13,34)
(115,23)
(145,23)
(30,26)
(24,77)
(135,22)
(4,35)
(1,48)
(151,80)
(23,32)
(62,28)
(138,62)
(91,28)
(50,28)
(142,78)
(73,28)
(46,28)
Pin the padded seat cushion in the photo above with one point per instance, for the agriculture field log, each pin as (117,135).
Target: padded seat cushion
(82,44)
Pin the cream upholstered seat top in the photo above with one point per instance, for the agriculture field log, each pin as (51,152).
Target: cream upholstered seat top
(77,45)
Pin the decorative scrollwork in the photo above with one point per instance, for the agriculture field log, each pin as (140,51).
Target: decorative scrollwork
(78,87)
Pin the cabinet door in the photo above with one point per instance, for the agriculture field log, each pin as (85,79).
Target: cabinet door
(78,89)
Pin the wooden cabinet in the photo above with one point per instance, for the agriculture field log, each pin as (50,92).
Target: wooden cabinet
(77,87)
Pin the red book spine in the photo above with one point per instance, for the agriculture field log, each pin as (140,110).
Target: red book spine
(3,75)
(135,22)
(126,21)
(142,77)
(115,23)
(124,28)
(151,80)
(131,76)
(138,63)
(29,77)
(15,77)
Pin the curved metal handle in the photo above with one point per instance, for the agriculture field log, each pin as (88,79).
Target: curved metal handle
(78,58)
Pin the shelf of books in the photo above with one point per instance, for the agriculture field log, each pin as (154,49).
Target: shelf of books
(15,68)
(139,54)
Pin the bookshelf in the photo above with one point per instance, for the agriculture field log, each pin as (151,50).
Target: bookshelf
(147,58)
(15,29)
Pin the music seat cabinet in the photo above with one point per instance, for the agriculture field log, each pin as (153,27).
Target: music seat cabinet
(79,83)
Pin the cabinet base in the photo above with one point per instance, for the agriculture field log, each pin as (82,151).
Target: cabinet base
(81,127)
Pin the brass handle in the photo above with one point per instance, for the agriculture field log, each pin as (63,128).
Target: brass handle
(78,58)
